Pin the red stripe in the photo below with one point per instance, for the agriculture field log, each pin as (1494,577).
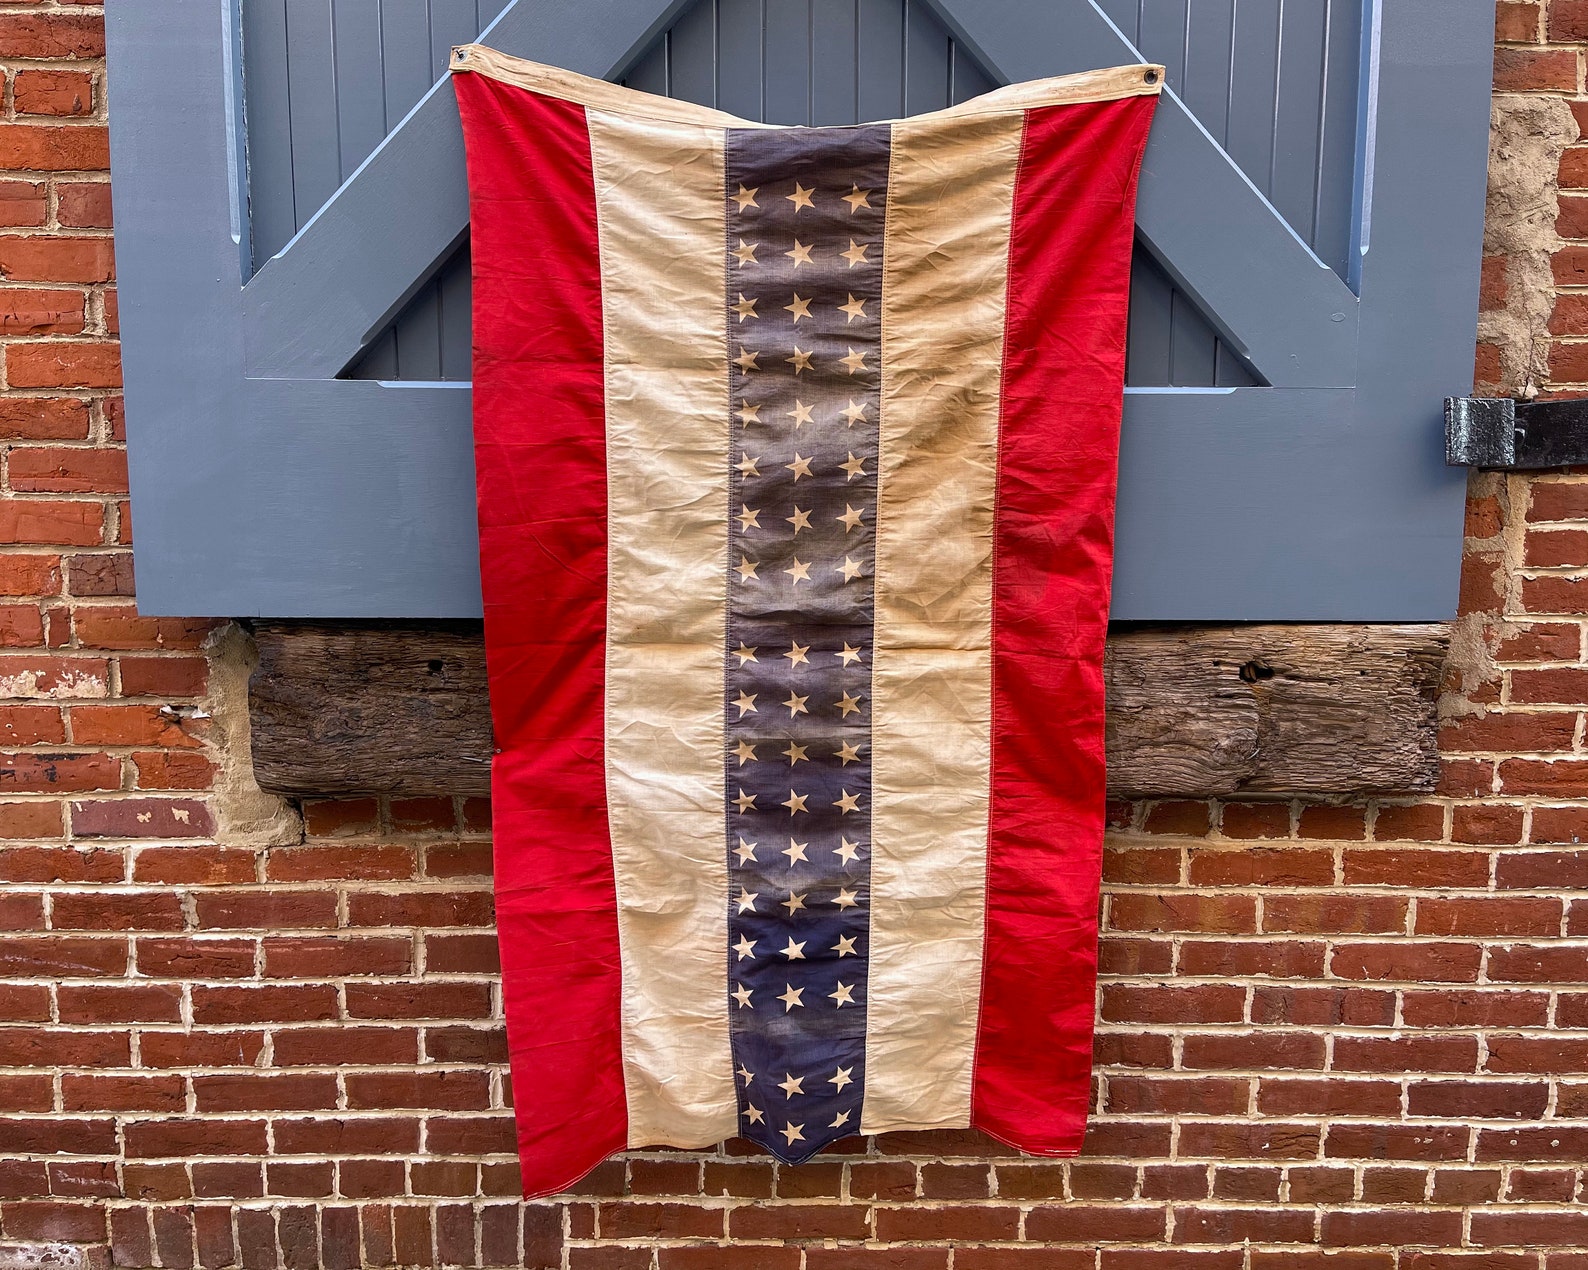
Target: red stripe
(1064,366)
(540,450)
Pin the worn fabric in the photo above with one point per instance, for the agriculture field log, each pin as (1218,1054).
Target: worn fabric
(796,454)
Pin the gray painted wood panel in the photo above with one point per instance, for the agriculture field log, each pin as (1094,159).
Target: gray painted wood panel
(1323,499)
(1275,83)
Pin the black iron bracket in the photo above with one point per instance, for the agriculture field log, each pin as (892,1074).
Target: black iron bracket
(1498,432)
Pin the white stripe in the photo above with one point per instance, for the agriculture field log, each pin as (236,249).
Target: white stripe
(945,265)
(661,213)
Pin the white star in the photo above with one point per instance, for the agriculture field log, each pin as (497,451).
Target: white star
(745,1074)
(849,569)
(849,705)
(745,948)
(749,518)
(842,997)
(800,520)
(849,654)
(745,751)
(853,415)
(801,308)
(801,414)
(855,361)
(791,997)
(794,903)
(796,703)
(745,361)
(857,198)
(746,466)
(748,414)
(745,252)
(795,851)
(800,361)
(856,255)
(753,1114)
(744,308)
(741,994)
(846,850)
(801,255)
(847,898)
(851,518)
(792,1133)
(745,802)
(840,1078)
(746,703)
(795,951)
(791,1085)
(847,753)
(801,197)
(747,900)
(796,753)
(845,947)
(840,1120)
(794,802)
(796,654)
(744,653)
(746,569)
(745,198)
(801,572)
(855,308)
(855,467)
(801,466)
(848,803)
(745,851)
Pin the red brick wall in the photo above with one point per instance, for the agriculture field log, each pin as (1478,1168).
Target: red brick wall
(1343,1035)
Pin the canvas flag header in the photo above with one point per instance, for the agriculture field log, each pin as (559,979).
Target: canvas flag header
(796,452)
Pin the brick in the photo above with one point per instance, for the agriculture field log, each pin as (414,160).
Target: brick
(202,1049)
(341,817)
(1334,914)
(65,364)
(1475,1009)
(122,628)
(1539,963)
(1077,1223)
(1405,1054)
(1335,823)
(1559,500)
(41,258)
(1537,1054)
(128,1003)
(428,908)
(1486,1100)
(1323,1007)
(183,1137)
(1328,1097)
(53,92)
(1396,1142)
(142,818)
(1493,286)
(1538,641)
(660,1221)
(454,1000)
(31,772)
(1401,1228)
(117,910)
(462,954)
(1491,915)
(1252,1050)
(1177,1095)
(1415,867)
(30,820)
(133,724)
(123,1093)
(193,866)
(320,1136)
(162,676)
(367,863)
(251,1092)
(39,522)
(323,958)
(446,1090)
(328,1047)
(1568,20)
(1202,1003)
(189,958)
(824,1221)
(1182,913)
(60,957)
(1531,1229)
(265,910)
(1232,1225)
(1408,961)
(1416,822)
(1255,820)
(1486,824)
(1251,958)
(272,1003)
(30,574)
(35,311)
(57,864)
(1262,866)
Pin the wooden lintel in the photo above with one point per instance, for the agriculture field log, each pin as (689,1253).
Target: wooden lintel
(1193,712)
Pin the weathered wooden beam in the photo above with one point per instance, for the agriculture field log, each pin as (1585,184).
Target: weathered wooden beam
(1193,712)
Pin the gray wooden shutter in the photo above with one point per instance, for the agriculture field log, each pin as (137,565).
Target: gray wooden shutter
(291,236)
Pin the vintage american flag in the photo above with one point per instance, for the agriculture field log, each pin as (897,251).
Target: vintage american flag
(796,453)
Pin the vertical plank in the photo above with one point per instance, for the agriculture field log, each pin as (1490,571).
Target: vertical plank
(269,126)
(649,74)
(692,51)
(1254,63)
(1338,152)
(1123,15)
(379,360)
(925,60)
(1163,37)
(1205,87)
(1192,345)
(966,77)
(451,22)
(1298,114)
(741,50)
(456,291)
(834,62)
(879,57)
(405,55)
(360,97)
(418,331)
(786,61)
(311,85)
(1147,340)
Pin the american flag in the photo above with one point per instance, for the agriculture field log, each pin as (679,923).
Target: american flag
(796,453)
